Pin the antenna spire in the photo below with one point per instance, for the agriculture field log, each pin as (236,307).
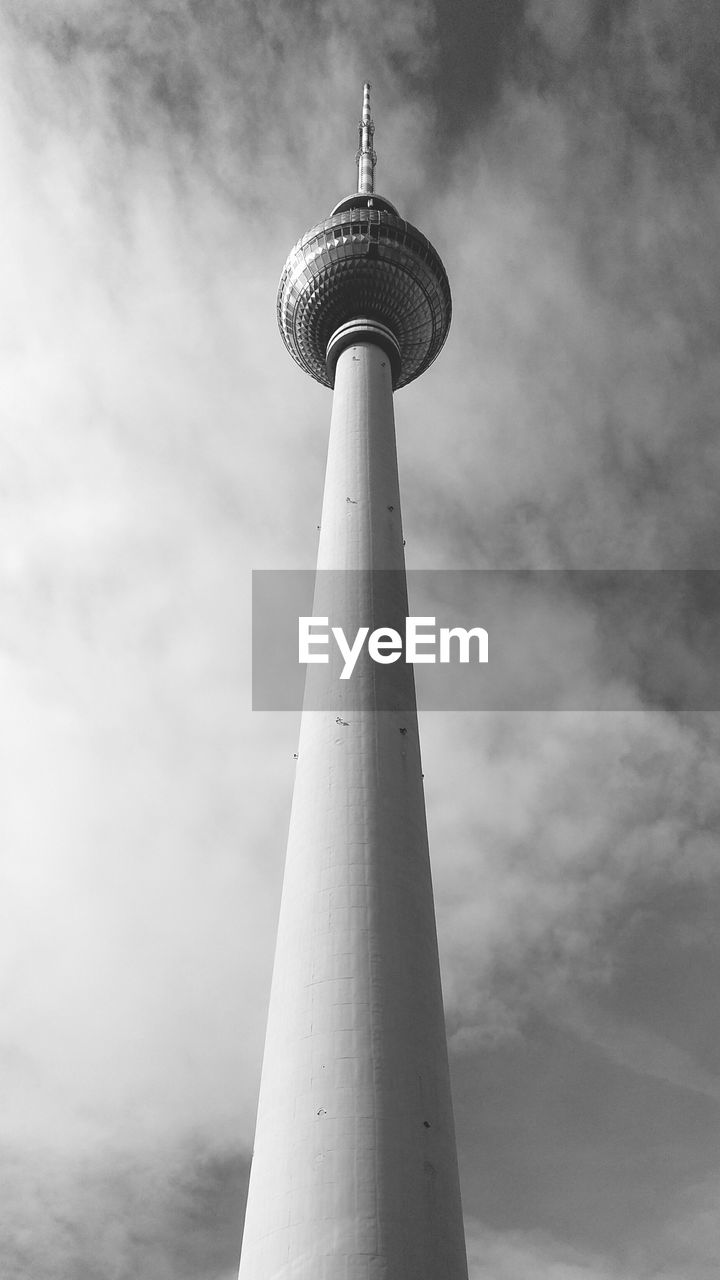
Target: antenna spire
(366,158)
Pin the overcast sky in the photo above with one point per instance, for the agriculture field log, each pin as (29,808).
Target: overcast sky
(159,159)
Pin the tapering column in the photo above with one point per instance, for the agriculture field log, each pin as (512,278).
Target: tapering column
(354,1171)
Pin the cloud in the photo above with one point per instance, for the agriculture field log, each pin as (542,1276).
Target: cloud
(573,818)
(563,25)
(585,439)
(167,1212)
(640,1049)
(524,1255)
(688,1242)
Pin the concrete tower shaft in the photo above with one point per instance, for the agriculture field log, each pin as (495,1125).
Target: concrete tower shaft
(354,1173)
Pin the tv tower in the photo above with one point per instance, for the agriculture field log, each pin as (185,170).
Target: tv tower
(354,1173)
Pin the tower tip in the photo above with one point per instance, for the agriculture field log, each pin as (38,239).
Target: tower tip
(366,158)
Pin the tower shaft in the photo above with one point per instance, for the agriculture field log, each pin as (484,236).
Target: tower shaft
(354,1172)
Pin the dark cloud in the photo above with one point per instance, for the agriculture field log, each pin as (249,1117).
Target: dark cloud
(558,1122)
(171,1212)
(587,298)
(241,91)
(475,45)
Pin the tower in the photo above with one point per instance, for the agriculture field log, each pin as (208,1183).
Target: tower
(354,1173)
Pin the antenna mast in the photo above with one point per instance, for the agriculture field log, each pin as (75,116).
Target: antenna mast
(366,158)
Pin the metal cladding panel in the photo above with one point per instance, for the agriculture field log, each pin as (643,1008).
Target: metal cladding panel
(354,1171)
(364,262)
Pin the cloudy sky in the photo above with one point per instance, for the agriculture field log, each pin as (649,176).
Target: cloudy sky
(159,158)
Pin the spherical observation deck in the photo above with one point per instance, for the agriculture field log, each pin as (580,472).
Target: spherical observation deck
(364,262)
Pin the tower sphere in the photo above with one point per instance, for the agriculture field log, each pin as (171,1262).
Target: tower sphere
(364,264)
